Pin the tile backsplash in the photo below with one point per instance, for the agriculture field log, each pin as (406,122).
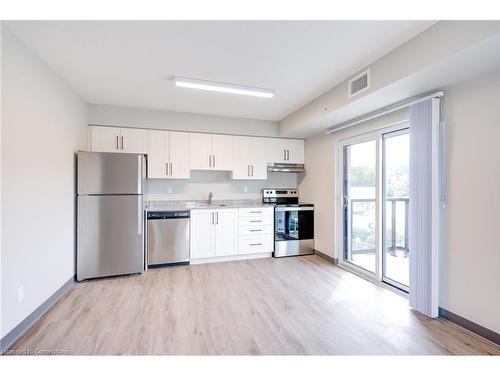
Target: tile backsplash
(218,182)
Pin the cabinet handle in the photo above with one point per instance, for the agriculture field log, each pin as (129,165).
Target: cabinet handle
(255,230)
(256,221)
(284,154)
(288,154)
(256,244)
(166,169)
(248,170)
(255,212)
(122,142)
(171,173)
(214,160)
(117,147)
(211,217)
(252,170)
(217,216)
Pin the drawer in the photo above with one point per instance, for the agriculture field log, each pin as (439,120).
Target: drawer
(256,244)
(256,221)
(255,230)
(257,211)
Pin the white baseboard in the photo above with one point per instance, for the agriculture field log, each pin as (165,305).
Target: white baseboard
(230,258)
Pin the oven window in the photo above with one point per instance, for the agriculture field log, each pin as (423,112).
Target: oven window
(294,225)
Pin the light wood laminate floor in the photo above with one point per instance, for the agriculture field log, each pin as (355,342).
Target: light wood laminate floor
(300,305)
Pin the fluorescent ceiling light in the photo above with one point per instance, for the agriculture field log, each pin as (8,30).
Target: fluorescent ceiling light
(223,87)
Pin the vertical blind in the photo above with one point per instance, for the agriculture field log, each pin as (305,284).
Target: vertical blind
(424,216)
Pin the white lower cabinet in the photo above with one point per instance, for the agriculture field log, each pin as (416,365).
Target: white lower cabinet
(214,233)
(231,233)
(256,230)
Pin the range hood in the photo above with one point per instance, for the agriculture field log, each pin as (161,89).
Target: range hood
(285,167)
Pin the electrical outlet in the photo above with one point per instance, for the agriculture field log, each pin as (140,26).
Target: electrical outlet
(245,188)
(20,294)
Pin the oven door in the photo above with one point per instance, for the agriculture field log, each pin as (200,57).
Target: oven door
(294,223)
(294,230)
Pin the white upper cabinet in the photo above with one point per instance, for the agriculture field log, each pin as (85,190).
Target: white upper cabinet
(104,139)
(179,155)
(250,158)
(281,150)
(200,151)
(168,154)
(134,141)
(222,151)
(211,152)
(111,139)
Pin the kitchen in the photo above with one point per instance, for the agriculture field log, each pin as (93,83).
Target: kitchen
(116,172)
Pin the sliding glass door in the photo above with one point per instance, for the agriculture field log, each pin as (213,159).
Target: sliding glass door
(360,173)
(396,197)
(375,200)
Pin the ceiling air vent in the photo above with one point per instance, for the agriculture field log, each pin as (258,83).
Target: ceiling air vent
(359,83)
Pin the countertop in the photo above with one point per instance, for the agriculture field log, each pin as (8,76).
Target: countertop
(202,204)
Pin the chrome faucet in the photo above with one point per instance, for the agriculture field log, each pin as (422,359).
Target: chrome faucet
(210,197)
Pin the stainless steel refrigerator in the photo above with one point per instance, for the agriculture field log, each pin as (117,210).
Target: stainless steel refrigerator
(110,207)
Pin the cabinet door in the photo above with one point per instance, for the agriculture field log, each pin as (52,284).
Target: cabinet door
(202,236)
(226,232)
(241,169)
(222,151)
(105,139)
(295,149)
(179,155)
(134,141)
(258,160)
(158,154)
(275,150)
(200,150)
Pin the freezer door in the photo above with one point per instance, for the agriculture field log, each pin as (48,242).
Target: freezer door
(110,173)
(110,236)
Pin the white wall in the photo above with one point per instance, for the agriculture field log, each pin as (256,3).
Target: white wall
(470,258)
(154,119)
(43,123)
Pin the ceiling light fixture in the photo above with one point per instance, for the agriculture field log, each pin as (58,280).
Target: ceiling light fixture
(223,87)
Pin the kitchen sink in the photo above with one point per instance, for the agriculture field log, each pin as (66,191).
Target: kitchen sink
(204,205)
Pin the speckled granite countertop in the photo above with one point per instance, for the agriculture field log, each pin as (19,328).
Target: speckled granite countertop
(193,204)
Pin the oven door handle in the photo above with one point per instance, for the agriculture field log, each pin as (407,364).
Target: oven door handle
(306,208)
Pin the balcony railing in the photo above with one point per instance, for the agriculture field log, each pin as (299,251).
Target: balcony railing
(394,239)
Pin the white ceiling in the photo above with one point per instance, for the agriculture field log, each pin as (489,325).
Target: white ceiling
(130,63)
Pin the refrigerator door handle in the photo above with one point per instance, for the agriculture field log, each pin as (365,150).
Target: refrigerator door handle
(141,221)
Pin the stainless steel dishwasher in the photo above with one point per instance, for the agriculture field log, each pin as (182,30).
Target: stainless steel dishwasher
(167,238)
